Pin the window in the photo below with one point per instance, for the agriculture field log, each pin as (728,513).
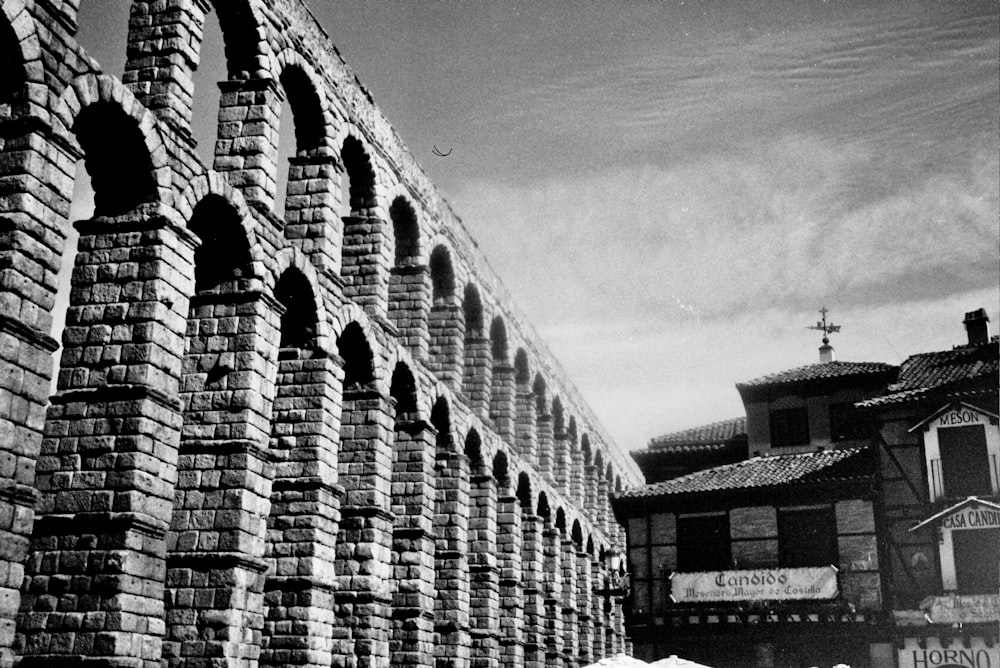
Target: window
(652,549)
(845,423)
(965,467)
(789,426)
(703,543)
(807,537)
(977,560)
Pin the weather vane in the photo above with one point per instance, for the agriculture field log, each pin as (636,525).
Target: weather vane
(822,326)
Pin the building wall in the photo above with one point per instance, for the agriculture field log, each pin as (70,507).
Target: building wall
(322,438)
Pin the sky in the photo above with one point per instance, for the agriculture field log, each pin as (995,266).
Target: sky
(672,190)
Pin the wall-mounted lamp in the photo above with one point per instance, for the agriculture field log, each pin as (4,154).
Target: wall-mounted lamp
(616,584)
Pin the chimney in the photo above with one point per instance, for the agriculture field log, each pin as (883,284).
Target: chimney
(825,351)
(977,325)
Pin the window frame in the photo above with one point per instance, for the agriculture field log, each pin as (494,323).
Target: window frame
(694,552)
(807,517)
(781,433)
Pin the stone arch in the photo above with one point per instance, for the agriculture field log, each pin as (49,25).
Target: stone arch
(576,533)
(522,368)
(524,492)
(95,106)
(313,118)
(477,367)
(501,468)
(498,341)
(403,388)
(20,53)
(359,169)
(225,255)
(558,416)
(474,451)
(355,349)
(405,232)
(442,276)
(292,258)
(540,388)
(247,53)
(212,183)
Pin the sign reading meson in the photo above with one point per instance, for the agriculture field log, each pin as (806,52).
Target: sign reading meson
(766,584)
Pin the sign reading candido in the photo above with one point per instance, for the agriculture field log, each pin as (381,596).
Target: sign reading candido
(766,584)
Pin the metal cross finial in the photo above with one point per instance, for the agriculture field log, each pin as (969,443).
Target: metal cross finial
(822,326)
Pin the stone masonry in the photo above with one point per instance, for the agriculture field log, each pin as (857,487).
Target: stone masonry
(320,438)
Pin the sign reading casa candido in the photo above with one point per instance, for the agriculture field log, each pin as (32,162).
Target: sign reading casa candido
(766,584)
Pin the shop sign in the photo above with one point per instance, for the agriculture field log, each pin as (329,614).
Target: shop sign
(974,516)
(960,417)
(766,584)
(956,655)
(962,609)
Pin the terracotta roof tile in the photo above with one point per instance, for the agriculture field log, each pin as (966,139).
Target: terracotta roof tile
(966,370)
(758,472)
(715,434)
(819,371)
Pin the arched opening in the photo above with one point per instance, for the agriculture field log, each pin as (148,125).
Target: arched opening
(121,171)
(359,362)
(539,389)
(558,417)
(211,70)
(442,277)
(522,372)
(498,341)
(223,258)
(358,180)
(298,322)
(403,389)
(445,326)
(477,365)
(406,232)
(302,132)
(12,83)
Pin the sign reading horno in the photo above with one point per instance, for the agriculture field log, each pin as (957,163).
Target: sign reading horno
(766,584)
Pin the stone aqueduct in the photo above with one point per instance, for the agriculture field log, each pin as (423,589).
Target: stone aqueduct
(324,438)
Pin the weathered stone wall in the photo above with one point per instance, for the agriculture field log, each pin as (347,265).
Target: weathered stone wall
(321,438)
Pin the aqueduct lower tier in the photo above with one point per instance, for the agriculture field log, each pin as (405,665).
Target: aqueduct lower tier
(319,438)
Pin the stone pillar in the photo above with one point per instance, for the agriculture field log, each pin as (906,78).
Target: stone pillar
(305,510)
(215,546)
(577,481)
(311,220)
(531,578)
(32,236)
(597,615)
(246,150)
(164,40)
(526,436)
(601,507)
(366,261)
(409,303)
(364,539)
(545,455)
(477,375)
(446,329)
(561,463)
(108,461)
(502,401)
(484,572)
(590,493)
(584,608)
(509,549)
(451,526)
(569,610)
(413,546)
(553,588)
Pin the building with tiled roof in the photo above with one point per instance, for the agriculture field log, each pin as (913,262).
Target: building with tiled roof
(681,452)
(785,493)
(937,435)
(872,487)
(768,473)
